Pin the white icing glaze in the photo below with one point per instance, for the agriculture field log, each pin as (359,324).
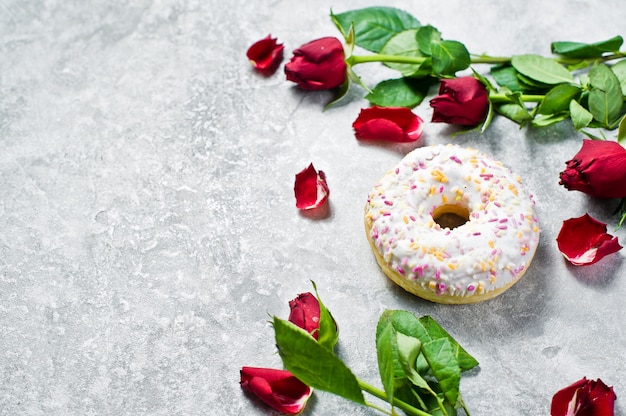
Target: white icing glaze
(492,249)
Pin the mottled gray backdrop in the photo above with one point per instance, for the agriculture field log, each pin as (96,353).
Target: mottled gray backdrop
(148,228)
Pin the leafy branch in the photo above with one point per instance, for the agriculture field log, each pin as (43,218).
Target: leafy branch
(420,364)
(594,98)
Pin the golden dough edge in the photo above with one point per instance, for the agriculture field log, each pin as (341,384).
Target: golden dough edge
(426,294)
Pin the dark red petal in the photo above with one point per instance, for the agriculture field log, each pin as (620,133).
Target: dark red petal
(600,400)
(395,124)
(584,241)
(279,389)
(265,54)
(561,400)
(310,188)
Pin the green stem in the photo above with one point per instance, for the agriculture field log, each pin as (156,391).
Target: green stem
(475,59)
(527,98)
(405,407)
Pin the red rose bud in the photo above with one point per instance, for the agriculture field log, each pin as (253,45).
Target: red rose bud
(278,389)
(318,65)
(598,169)
(310,188)
(305,313)
(266,54)
(584,398)
(584,240)
(394,124)
(463,101)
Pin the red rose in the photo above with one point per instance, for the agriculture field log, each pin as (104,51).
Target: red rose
(598,169)
(584,398)
(266,54)
(310,188)
(318,65)
(463,101)
(305,313)
(584,240)
(277,388)
(395,124)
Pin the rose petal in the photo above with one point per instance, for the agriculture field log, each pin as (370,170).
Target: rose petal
(279,389)
(266,54)
(310,188)
(393,124)
(584,241)
(584,398)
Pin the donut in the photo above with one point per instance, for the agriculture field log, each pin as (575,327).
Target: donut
(451,225)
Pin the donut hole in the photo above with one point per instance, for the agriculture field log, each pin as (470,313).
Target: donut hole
(451,216)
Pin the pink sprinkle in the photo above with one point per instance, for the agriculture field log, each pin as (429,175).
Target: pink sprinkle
(504,220)
(486,175)
(388,202)
(441,189)
(401,271)
(494,252)
(411,217)
(471,288)
(456,159)
(496,203)
(502,227)
(384,230)
(386,214)
(413,186)
(493,220)
(397,170)
(476,233)
(437,274)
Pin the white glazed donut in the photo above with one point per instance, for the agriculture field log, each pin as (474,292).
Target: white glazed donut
(451,225)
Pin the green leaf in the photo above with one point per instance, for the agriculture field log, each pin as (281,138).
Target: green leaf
(328,334)
(425,37)
(514,112)
(449,56)
(405,44)
(543,120)
(374,26)
(605,96)
(389,366)
(541,69)
(401,92)
(314,364)
(586,50)
(445,367)
(621,132)
(506,76)
(436,331)
(558,99)
(619,69)
(579,115)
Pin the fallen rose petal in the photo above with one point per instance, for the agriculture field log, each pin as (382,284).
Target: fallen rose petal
(310,188)
(266,54)
(598,170)
(305,313)
(394,124)
(279,389)
(584,240)
(584,398)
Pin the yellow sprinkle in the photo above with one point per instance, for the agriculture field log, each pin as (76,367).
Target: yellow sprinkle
(513,188)
(444,199)
(452,266)
(491,244)
(432,285)
(493,280)
(432,190)
(405,219)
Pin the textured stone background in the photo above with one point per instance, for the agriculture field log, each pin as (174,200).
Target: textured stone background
(148,227)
